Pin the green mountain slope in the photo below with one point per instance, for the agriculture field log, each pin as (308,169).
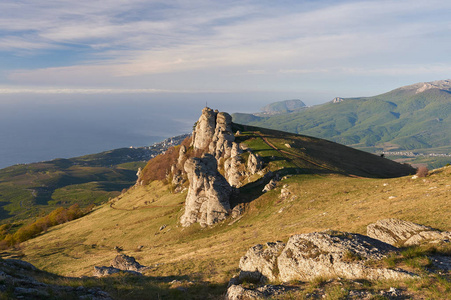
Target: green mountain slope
(28,190)
(415,118)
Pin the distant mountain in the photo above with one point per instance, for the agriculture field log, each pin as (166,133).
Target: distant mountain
(285,106)
(413,119)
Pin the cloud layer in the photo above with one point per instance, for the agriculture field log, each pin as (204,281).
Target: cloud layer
(255,45)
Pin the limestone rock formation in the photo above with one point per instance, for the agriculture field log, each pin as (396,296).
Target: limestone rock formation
(205,129)
(209,192)
(404,233)
(127,263)
(121,263)
(254,163)
(182,155)
(318,254)
(270,186)
(222,139)
(234,167)
(139,174)
(21,280)
(334,253)
(238,292)
(260,262)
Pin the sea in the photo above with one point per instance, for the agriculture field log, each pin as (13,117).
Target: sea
(40,127)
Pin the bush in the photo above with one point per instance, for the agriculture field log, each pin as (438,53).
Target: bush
(58,216)
(159,167)
(422,171)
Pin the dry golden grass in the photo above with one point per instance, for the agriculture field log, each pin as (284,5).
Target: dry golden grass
(316,203)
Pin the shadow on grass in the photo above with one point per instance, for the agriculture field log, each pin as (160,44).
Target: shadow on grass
(254,190)
(126,286)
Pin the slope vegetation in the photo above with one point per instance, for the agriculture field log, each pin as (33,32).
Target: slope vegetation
(415,118)
(323,186)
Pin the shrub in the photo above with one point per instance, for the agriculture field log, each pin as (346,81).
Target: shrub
(422,171)
(57,216)
(159,167)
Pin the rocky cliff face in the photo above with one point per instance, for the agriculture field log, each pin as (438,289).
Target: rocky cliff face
(205,129)
(209,192)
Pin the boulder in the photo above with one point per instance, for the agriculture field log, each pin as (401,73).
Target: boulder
(238,292)
(270,186)
(209,193)
(254,163)
(127,263)
(104,271)
(259,264)
(405,233)
(332,254)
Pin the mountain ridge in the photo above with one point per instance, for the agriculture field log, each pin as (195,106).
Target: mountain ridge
(402,119)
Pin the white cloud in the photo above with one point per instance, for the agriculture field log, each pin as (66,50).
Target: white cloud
(135,38)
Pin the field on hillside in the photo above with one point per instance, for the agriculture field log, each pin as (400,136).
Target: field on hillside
(144,221)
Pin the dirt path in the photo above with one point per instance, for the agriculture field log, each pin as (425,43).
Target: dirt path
(292,154)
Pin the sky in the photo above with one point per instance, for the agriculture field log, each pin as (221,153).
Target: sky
(311,50)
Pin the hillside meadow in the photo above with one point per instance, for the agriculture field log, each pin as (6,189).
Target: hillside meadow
(316,193)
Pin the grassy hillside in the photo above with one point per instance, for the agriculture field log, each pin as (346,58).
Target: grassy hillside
(322,195)
(403,119)
(31,190)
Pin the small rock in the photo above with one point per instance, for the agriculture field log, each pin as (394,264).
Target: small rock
(400,232)
(270,186)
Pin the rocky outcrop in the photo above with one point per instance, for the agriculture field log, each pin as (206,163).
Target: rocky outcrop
(259,264)
(121,263)
(254,163)
(208,196)
(221,142)
(403,233)
(21,280)
(209,192)
(238,292)
(318,254)
(334,253)
(205,129)
(139,174)
(213,133)
(127,263)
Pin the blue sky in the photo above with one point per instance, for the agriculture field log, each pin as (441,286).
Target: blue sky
(313,50)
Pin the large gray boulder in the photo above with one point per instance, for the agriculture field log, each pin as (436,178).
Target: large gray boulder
(121,263)
(332,254)
(207,201)
(238,292)
(403,233)
(127,263)
(259,264)
(318,254)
